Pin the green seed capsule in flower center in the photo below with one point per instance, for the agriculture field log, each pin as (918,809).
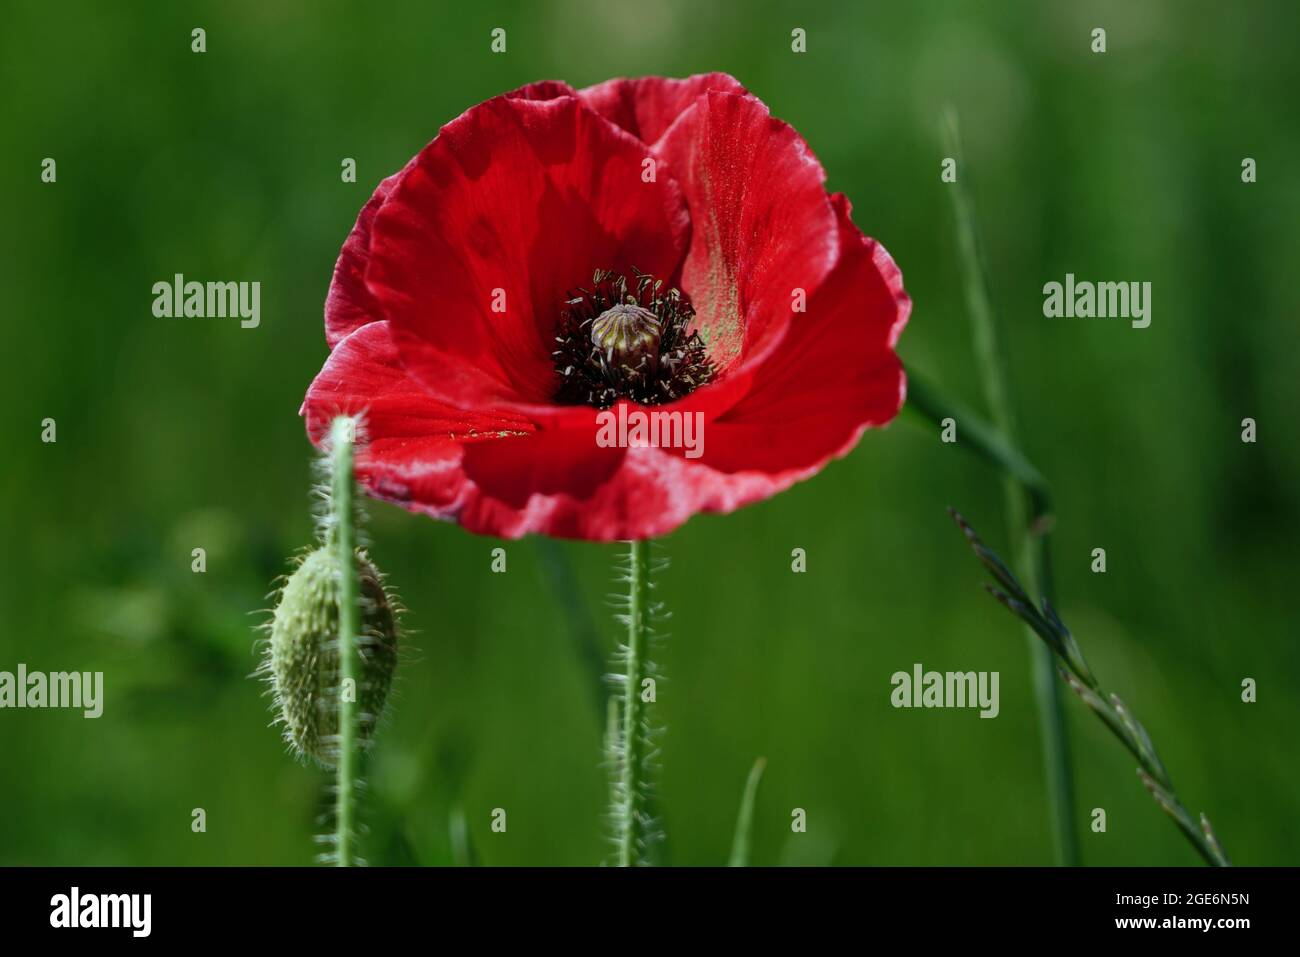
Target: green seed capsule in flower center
(627,336)
(626,333)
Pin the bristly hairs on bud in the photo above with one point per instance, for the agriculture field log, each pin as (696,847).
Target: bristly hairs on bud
(333,642)
(631,734)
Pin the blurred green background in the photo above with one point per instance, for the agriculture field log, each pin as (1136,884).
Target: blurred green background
(174,434)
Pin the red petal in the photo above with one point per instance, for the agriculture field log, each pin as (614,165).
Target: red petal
(523,196)
(833,374)
(349,304)
(542,90)
(762,225)
(410,437)
(648,494)
(487,473)
(646,106)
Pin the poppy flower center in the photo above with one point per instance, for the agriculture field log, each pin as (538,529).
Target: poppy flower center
(627,338)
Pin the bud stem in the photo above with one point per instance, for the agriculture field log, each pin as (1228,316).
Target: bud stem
(341,444)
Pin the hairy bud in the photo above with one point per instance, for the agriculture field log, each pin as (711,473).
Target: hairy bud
(303,658)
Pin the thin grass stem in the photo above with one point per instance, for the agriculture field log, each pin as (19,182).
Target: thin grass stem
(743,839)
(1028,515)
(1061,646)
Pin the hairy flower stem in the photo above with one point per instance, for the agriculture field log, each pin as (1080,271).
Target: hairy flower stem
(344,540)
(631,790)
(1028,515)
(1056,638)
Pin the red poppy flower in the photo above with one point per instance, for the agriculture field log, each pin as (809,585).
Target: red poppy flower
(523,308)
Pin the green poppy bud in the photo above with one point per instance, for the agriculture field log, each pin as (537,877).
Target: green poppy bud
(303,658)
